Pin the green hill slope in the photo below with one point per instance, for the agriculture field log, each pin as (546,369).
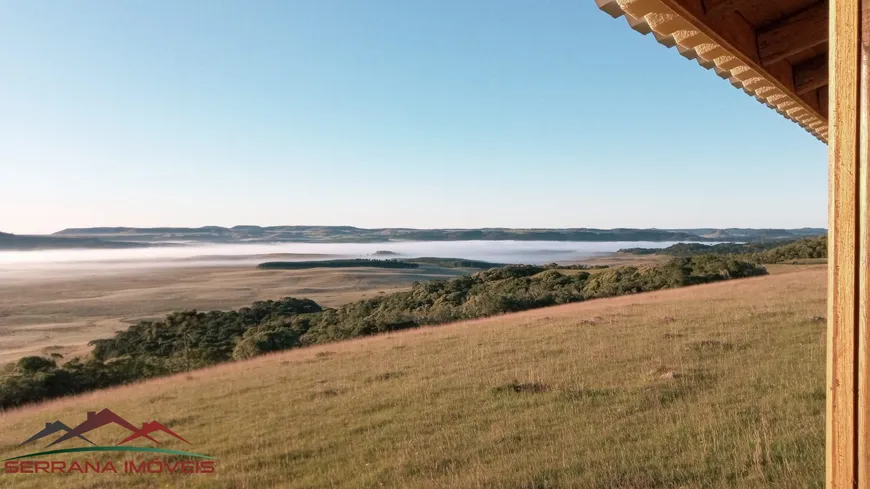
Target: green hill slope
(42,242)
(715,386)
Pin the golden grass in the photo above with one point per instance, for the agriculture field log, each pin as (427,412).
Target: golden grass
(62,312)
(715,386)
(788,267)
(625,259)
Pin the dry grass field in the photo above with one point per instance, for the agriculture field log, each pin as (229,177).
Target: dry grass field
(714,386)
(61,312)
(625,259)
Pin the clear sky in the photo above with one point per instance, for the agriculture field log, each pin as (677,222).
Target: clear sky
(376,113)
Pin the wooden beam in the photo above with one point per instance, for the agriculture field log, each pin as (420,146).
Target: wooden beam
(718,8)
(783,71)
(793,34)
(733,28)
(847,232)
(862,411)
(812,99)
(811,74)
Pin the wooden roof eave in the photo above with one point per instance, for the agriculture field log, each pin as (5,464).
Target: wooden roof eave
(674,26)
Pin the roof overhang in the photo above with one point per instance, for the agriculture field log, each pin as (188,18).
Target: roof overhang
(779,57)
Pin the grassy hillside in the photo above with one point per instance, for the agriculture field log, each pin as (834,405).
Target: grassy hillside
(25,242)
(188,340)
(60,312)
(714,386)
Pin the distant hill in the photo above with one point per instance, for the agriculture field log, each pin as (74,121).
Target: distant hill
(738,234)
(40,242)
(337,234)
(770,251)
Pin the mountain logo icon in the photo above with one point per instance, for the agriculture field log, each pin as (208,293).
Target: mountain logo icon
(99,419)
(50,429)
(151,427)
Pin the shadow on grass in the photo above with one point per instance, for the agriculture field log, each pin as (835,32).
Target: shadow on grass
(521,388)
(326,393)
(385,376)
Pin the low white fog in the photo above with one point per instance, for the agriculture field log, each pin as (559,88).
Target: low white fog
(531,252)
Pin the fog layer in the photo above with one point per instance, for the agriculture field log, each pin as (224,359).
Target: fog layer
(530,252)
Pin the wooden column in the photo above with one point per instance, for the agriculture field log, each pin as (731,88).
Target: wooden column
(847,443)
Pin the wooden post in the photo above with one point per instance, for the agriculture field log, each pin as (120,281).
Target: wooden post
(847,367)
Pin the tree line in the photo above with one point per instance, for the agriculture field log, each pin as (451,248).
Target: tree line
(346,263)
(764,252)
(378,263)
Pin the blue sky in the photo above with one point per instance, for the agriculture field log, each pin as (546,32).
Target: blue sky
(447,113)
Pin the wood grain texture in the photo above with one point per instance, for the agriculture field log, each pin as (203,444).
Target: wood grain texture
(718,8)
(843,167)
(824,94)
(811,74)
(812,99)
(798,32)
(863,384)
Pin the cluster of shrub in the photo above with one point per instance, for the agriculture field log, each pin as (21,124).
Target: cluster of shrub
(577,266)
(188,340)
(765,252)
(455,262)
(805,249)
(348,263)
(378,263)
